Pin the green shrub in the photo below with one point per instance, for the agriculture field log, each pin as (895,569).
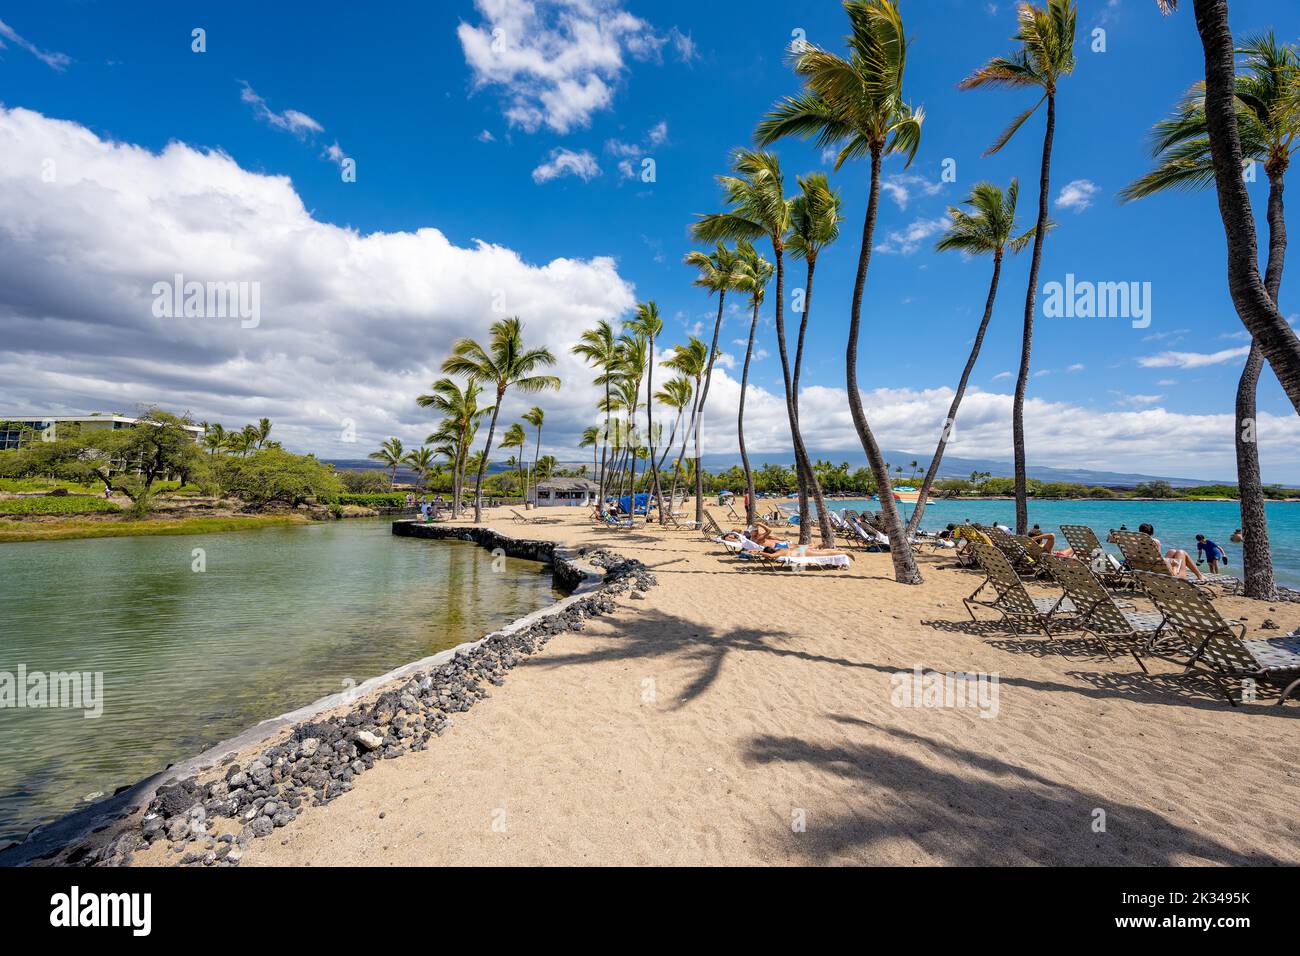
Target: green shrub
(385,499)
(60,505)
(273,474)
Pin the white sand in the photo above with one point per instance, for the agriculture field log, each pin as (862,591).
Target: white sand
(702,724)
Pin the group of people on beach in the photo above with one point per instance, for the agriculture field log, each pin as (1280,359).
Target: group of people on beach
(1179,561)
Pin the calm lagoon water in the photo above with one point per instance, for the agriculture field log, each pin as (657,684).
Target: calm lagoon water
(280,618)
(1177,523)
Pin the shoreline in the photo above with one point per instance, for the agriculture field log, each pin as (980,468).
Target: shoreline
(89,834)
(688,727)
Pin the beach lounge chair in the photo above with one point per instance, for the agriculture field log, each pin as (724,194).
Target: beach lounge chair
(1014,551)
(1100,614)
(531,519)
(710,527)
(1142,555)
(1010,597)
(1084,543)
(743,547)
(1034,553)
(966,537)
(1219,647)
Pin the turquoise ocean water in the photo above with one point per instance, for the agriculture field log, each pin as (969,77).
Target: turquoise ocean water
(1176,523)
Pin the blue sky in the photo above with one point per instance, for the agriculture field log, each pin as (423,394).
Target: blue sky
(444,137)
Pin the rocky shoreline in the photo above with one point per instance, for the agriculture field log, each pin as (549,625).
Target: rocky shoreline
(207,812)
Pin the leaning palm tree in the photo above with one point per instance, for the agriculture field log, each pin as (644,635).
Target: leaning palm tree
(691,360)
(717,274)
(1268,124)
(1255,307)
(535,417)
(647,322)
(1046,54)
(988,228)
(755,273)
(504,363)
(461,408)
(814,224)
(516,437)
(390,454)
(591,439)
(758,208)
(600,350)
(858,102)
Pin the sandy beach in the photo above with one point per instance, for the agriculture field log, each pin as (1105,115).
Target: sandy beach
(737,716)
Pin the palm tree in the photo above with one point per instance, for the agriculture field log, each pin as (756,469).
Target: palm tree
(987,229)
(504,363)
(1046,55)
(242,441)
(675,394)
(648,323)
(859,102)
(535,417)
(515,437)
(814,224)
(591,439)
(391,454)
(690,360)
(263,431)
(635,352)
(759,208)
(420,460)
(460,406)
(215,438)
(717,274)
(1255,307)
(755,273)
(598,347)
(1268,125)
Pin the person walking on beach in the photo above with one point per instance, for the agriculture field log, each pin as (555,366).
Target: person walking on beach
(1209,551)
(1180,562)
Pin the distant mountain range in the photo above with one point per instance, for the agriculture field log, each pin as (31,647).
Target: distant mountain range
(952,467)
(956,467)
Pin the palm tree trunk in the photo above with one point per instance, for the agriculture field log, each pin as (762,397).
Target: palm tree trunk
(1257,560)
(740,421)
(482,465)
(677,468)
(699,418)
(650,432)
(1027,341)
(905,569)
(933,470)
(811,484)
(1257,311)
(604,447)
(631,431)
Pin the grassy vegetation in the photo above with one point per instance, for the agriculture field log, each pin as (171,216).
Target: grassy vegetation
(87,528)
(65,505)
(384,499)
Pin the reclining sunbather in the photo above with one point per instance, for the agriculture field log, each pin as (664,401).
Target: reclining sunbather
(1180,562)
(783,548)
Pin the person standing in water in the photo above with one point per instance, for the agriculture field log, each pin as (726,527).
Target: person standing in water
(1209,551)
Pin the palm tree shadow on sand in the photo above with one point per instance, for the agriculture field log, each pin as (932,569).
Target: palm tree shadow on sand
(992,812)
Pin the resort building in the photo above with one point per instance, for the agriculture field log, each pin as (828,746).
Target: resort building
(14,431)
(565,491)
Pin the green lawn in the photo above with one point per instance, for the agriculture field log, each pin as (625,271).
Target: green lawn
(87,528)
(61,505)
